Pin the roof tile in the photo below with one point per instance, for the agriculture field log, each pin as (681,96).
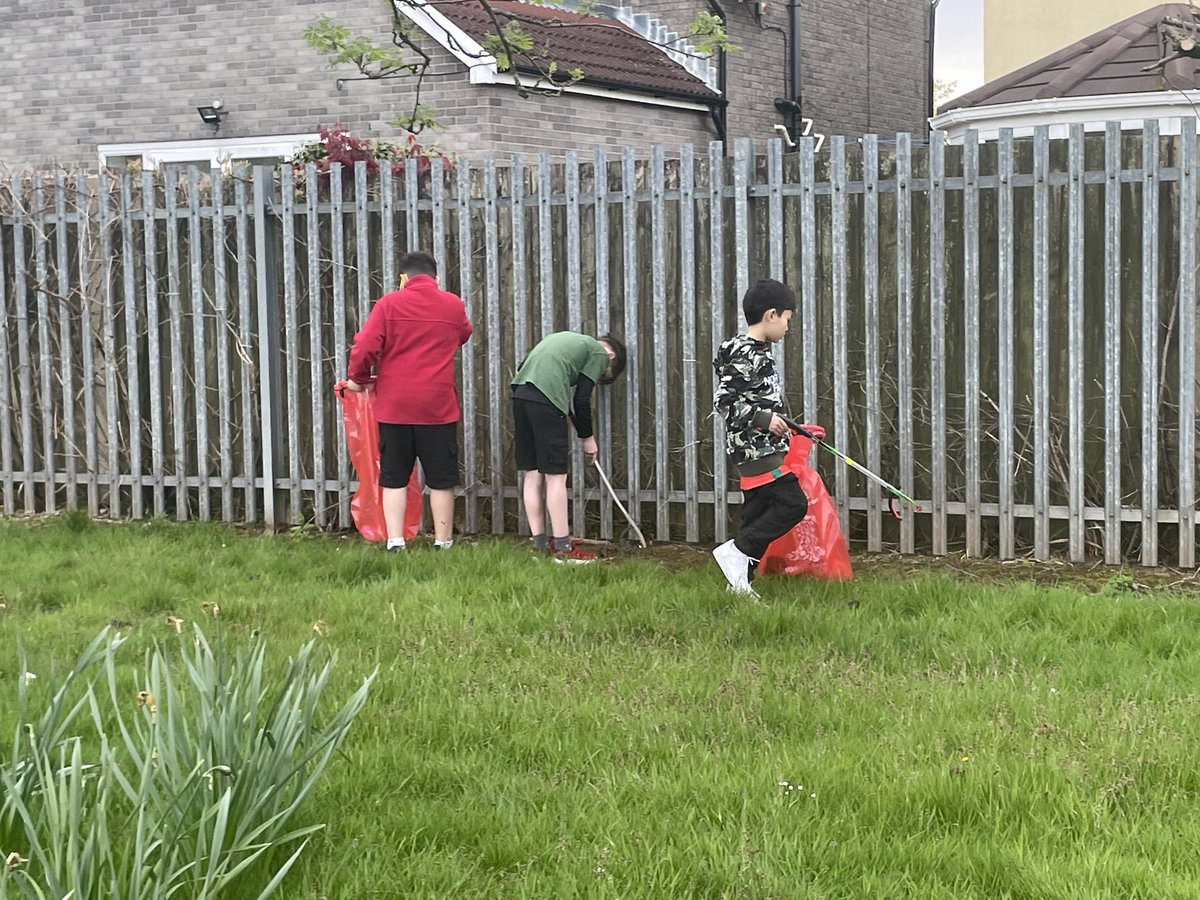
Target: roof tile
(609,53)
(1110,61)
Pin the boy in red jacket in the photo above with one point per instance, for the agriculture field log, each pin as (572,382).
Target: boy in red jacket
(410,339)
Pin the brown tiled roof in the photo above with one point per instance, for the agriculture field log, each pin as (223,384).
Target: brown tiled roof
(1107,62)
(609,53)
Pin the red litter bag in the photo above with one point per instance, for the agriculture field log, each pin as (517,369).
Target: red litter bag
(362,438)
(816,546)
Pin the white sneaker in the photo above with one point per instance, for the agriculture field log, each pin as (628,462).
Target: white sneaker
(735,566)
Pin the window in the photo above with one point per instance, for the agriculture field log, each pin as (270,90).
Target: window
(215,153)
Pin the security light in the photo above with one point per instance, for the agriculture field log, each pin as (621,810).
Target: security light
(212,114)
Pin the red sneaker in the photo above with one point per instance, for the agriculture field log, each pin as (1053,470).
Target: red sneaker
(575,555)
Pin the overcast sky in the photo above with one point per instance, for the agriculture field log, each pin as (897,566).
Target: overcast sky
(958,51)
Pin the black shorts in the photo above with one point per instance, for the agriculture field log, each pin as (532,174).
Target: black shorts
(436,446)
(543,443)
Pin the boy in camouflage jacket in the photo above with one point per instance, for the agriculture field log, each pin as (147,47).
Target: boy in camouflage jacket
(749,397)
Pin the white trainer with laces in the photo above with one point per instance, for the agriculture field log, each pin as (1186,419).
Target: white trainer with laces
(735,566)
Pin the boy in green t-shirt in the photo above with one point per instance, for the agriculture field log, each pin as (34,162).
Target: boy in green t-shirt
(554,383)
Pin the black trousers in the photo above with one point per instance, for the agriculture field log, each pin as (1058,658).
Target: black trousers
(768,512)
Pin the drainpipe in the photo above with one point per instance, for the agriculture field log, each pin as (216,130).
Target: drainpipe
(794,26)
(933,5)
(789,104)
(721,107)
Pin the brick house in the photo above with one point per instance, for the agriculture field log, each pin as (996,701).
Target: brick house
(133,76)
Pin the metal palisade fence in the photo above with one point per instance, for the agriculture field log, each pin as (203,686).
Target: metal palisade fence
(1005,329)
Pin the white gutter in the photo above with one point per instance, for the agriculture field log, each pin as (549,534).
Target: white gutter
(613,94)
(1060,113)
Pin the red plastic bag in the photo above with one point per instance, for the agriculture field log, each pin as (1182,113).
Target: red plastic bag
(816,546)
(362,437)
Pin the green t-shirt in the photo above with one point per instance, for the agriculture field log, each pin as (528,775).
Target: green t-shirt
(556,363)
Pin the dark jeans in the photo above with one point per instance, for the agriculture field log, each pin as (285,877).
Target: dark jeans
(768,512)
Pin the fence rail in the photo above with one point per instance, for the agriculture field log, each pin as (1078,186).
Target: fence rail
(1005,329)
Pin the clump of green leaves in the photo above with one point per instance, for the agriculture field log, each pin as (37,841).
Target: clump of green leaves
(709,34)
(178,782)
(509,40)
(341,46)
(420,118)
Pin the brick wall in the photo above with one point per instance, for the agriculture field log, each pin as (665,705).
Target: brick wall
(756,73)
(865,65)
(572,122)
(132,74)
(128,71)
(840,43)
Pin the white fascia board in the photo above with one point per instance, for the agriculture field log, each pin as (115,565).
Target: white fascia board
(464,48)
(625,96)
(1062,112)
(216,150)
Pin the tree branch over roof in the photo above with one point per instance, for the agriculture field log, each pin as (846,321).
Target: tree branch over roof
(517,43)
(1180,38)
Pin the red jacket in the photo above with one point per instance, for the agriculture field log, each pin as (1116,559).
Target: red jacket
(410,339)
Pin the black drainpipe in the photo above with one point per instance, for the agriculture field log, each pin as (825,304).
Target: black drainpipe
(721,106)
(794,67)
(933,5)
(789,103)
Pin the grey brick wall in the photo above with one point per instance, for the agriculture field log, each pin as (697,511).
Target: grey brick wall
(129,70)
(79,73)
(841,42)
(756,73)
(568,122)
(865,65)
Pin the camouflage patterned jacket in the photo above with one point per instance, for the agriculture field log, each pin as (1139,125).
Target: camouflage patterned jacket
(748,391)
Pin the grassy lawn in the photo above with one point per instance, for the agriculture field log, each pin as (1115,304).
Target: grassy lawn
(629,729)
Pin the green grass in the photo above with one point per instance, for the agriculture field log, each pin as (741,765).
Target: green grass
(623,730)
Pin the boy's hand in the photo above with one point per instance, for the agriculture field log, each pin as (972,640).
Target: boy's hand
(588,444)
(778,426)
(354,386)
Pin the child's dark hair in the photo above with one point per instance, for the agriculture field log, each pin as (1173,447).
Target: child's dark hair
(617,366)
(767,294)
(418,263)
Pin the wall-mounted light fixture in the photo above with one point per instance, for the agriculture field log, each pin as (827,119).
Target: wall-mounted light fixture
(212,114)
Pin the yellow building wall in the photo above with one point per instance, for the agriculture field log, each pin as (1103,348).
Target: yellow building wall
(1017,32)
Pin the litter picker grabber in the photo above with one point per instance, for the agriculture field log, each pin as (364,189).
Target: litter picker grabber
(886,485)
(616,500)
